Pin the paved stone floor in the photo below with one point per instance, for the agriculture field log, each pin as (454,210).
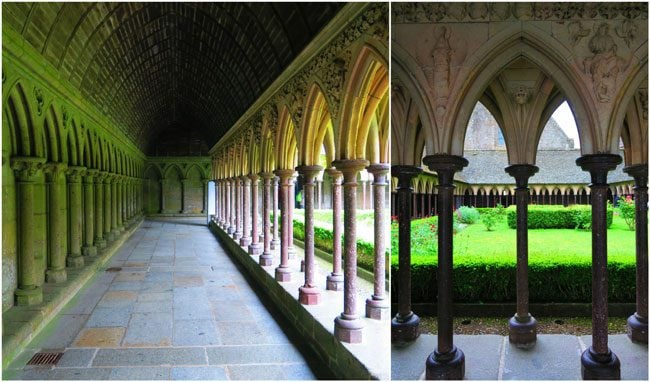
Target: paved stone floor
(490,357)
(178,309)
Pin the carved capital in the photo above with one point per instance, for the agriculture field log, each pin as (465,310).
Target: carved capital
(55,170)
(27,169)
(75,173)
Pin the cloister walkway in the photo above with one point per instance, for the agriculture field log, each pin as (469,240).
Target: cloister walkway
(170,305)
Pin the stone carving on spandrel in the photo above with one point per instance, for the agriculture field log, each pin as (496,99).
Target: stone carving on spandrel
(38,94)
(642,96)
(627,30)
(500,11)
(605,65)
(477,10)
(442,53)
(577,32)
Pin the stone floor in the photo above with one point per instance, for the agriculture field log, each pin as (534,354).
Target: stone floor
(178,308)
(490,357)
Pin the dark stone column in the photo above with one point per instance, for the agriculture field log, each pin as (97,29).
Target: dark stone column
(637,324)
(282,272)
(309,294)
(99,210)
(238,208)
(447,361)
(114,226)
(276,238)
(75,260)
(378,306)
(58,215)
(348,327)
(246,212)
(266,258)
(335,279)
(185,183)
(291,197)
(255,248)
(405,325)
(108,211)
(119,205)
(28,172)
(89,248)
(598,362)
(522,327)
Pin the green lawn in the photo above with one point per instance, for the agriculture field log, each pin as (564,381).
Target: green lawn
(323,219)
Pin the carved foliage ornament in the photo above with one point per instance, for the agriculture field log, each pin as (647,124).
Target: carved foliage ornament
(38,95)
(605,65)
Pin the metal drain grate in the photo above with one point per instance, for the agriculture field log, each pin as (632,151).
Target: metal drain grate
(45,359)
(113,269)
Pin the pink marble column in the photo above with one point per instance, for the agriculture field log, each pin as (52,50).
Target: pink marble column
(282,272)
(348,327)
(275,243)
(230,206)
(266,258)
(246,212)
(335,279)
(309,293)
(291,198)
(255,248)
(378,306)
(238,208)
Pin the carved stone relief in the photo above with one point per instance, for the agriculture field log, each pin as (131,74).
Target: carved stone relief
(38,94)
(605,65)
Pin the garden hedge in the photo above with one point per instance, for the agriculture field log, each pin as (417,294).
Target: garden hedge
(555,216)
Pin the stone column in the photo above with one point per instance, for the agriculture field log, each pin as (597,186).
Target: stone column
(233,210)
(447,361)
(266,258)
(637,324)
(522,327)
(114,207)
(276,238)
(108,209)
(282,272)
(227,207)
(99,211)
(89,248)
(308,294)
(378,306)
(291,197)
(184,201)
(598,362)
(319,186)
(405,325)
(163,204)
(119,198)
(58,215)
(74,173)
(238,208)
(255,248)
(348,327)
(335,279)
(217,201)
(28,170)
(246,212)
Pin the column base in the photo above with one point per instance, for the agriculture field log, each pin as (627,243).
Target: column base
(335,281)
(255,249)
(308,295)
(377,309)
(348,330)
(229,230)
(74,261)
(56,276)
(446,366)
(89,251)
(275,243)
(100,243)
(266,259)
(110,236)
(236,235)
(282,274)
(522,332)
(600,366)
(637,329)
(404,330)
(30,296)
(245,241)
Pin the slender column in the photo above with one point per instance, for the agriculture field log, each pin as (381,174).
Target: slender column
(246,204)
(56,272)
(238,208)
(447,361)
(99,211)
(282,272)
(378,306)
(522,327)
(598,362)
(637,324)
(309,294)
(114,225)
(28,170)
(184,193)
(74,173)
(348,327)
(276,238)
(233,207)
(319,186)
(228,208)
(405,325)
(335,279)
(89,248)
(217,201)
(291,197)
(266,258)
(108,209)
(119,199)
(163,201)
(255,248)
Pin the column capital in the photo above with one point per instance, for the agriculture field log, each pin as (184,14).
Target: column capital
(246,181)
(108,177)
(309,172)
(445,165)
(639,172)
(55,170)
(284,173)
(90,176)
(404,174)
(598,166)
(350,168)
(379,172)
(253,177)
(267,175)
(521,173)
(336,175)
(75,173)
(27,168)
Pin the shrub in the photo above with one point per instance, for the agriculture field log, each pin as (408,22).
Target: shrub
(491,216)
(467,215)
(557,216)
(627,211)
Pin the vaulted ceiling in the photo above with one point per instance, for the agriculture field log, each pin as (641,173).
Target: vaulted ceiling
(148,66)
